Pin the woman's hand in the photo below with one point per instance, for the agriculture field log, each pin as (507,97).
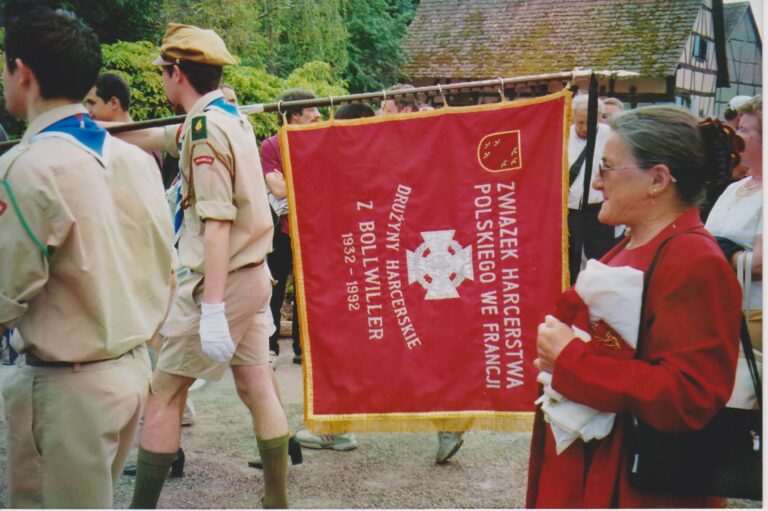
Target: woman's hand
(554,335)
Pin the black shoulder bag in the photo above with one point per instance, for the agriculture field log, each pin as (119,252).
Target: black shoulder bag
(724,459)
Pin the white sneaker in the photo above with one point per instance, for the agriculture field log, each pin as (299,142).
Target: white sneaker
(188,418)
(448,444)
(198,384)
(345,442)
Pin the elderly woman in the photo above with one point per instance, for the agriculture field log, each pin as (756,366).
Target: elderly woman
(737,221)
(652,178)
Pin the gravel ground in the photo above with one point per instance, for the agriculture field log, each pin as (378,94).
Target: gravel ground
(388,470)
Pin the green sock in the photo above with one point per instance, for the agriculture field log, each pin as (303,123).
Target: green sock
(274,459)
(151,471)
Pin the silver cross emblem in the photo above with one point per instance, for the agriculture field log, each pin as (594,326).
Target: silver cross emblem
(440,264)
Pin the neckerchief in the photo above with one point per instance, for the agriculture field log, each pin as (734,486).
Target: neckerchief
(80,130)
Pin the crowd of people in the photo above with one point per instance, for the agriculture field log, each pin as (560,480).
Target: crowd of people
(162,255)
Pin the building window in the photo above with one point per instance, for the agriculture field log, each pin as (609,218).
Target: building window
(700,46)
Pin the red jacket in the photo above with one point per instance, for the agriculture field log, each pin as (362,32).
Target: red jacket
(685,376)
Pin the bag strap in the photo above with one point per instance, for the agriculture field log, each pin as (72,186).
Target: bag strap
(745,276)
(4,171)
(573,172)
(646,282)
(749,355)
(746,344)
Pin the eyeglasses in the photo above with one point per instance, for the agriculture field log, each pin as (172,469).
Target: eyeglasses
(602,170)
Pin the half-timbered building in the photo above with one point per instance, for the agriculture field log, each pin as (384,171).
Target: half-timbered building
(677,47)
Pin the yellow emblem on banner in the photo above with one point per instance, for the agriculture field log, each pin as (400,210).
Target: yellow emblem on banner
(500,152)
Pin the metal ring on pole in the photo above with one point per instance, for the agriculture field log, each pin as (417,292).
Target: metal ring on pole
(281,112)
(572,80)
(442,95)
(501,90)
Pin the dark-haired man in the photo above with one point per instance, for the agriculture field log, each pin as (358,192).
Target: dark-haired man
(220,316)
(109,99)
(75,204)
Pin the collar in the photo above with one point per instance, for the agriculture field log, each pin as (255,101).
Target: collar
(203,102)
(688,220)
(198,108)
(77,128)
(52,116)
(224,106)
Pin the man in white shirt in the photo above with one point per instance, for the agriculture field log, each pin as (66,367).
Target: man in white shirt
(587,236)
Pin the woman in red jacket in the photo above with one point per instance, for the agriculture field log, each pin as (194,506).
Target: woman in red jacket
(652,177)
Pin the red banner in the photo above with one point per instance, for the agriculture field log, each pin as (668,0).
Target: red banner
(428,247)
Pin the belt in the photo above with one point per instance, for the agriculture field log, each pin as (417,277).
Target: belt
(32,360)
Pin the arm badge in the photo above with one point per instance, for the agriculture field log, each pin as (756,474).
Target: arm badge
(199,128)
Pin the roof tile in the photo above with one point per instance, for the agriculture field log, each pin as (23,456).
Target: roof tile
(490,38)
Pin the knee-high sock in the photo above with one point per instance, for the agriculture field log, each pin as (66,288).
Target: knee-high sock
(274,459)
(151,471)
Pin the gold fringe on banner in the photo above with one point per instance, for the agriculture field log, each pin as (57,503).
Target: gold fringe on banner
(567,116)
(512,422)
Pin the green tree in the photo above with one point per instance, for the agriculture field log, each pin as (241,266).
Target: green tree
(301,31)
(133,60)
(376,29)
(112,20)
(239,22)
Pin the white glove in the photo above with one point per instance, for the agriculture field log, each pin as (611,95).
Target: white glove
(214,332)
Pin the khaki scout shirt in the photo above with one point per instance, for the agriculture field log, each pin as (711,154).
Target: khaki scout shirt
(222,167)
(106,287)
(219,162)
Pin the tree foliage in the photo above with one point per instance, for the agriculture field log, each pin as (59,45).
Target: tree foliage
(112,20)
(301,31)
(359,39)
(329,46)
(376,29)
(239,23)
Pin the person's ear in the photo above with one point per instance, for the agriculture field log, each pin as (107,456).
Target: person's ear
(661,179)
(176,74)
(23,72)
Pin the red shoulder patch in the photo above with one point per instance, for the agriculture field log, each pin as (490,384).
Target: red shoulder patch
(203,160)
(3,207)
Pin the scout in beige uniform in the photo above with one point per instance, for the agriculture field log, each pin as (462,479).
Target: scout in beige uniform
(79,211)
(219,316)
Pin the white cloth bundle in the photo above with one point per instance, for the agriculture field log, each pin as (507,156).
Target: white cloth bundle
(614,295)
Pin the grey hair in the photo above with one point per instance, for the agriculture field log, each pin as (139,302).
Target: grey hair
(754,107)
(670,136)
(615,102)
(582,100)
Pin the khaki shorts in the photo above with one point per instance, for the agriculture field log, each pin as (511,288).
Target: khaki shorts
(70,430)
(246,299)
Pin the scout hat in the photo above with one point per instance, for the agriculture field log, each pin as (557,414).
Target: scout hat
(193,44)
